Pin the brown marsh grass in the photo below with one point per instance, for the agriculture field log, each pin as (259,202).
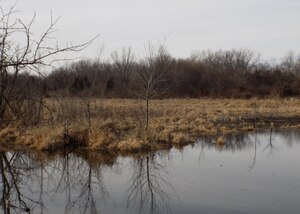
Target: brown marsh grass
(117,125)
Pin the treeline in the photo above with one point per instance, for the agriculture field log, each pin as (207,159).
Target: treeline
(224,73)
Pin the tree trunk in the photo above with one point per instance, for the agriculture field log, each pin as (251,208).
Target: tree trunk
(147,113)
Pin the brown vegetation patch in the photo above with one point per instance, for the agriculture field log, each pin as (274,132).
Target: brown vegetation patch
(117,124)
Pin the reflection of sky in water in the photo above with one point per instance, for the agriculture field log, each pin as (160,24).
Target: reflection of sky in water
(250,174)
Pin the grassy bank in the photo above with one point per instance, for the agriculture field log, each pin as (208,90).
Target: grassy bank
(118,126)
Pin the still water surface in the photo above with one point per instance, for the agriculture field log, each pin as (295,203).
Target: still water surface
(252,173)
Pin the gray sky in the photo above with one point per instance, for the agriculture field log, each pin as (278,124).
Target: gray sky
(271,27)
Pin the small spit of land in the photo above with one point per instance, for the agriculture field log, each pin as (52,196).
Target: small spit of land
(118,125)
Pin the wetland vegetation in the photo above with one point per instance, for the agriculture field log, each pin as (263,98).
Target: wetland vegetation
(118,126)
(128,103)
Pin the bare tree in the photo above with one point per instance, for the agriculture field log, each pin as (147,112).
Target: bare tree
(152,75)
(17,57)
(123,63)
(289,62)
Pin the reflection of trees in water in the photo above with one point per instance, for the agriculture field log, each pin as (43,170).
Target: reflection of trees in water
(234,142)
(80,178)
(243,141)
(270,146)
(82,184)
(290,136)
(13,199)
(253,162)
(26,180)
(148,186)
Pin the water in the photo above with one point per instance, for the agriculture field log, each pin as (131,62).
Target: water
(252,173)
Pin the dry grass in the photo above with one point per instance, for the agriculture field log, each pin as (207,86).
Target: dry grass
(117,125)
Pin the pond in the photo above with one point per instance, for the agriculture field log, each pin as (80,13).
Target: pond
(251,173)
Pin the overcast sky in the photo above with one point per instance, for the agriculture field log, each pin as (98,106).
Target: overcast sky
(271,27)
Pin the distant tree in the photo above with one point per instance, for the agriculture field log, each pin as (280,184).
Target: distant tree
(290,63)
(110,84)
(123,63)
(229,68)
(80,84)
(59,81)
(224,73)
